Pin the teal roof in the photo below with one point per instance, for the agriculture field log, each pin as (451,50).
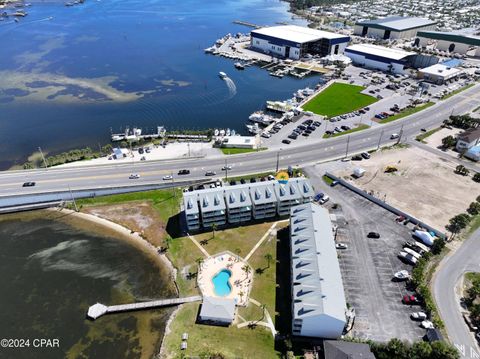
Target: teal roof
(449,36)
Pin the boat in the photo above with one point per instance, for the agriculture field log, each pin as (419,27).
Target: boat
(239,66)
(216,132)
(402,275)
(222,133)
(228,132)
(260,118)
(222,75)
(253,129)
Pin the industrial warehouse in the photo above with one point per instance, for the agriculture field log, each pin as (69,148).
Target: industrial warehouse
(294,42)
(394,27)
(379,57)
(449,42)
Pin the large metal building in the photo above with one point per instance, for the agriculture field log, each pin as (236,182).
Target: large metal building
(318,298)
(393,27)
(448,41)
(294,42)
(380,57)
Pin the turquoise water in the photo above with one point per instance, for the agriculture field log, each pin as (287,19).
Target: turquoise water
(70,74)
(221,283)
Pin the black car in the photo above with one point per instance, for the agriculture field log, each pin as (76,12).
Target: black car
(329,132)
(253,180)
(292,136)
(287,142)
(373,235)
(301,127)
(345,127)
(28,184)
(357,158)
(233,183)
(311,128)
(317,123)
(365,155)
(242,181)
(184,172)
(306,134)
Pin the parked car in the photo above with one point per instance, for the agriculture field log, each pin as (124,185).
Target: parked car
(341,246)
(427,324)
(318,196)
(292,136)
(226,168)
(357,158)
(328,132)
(324,199)
(410,299)
(167,177)
(253,180)
(28,184)
(134,176)
(184,172)
(373,235)
(287,142)
(334,183)
(210,173)
(365,155)
(418,316)
(407,257)
(394,136)
(266,135)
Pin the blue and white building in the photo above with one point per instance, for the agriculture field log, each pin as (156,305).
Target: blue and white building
(380,57)
(294,42)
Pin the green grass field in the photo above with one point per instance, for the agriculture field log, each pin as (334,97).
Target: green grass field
(337,99)
(236,151)
(407,112)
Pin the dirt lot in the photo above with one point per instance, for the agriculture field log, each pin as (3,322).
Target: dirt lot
(139,216)
(424,186)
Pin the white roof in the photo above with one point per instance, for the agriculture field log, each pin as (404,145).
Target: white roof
(441,70)
(296,33)
(240,140)
(317,281)
(387,52)
(221,309)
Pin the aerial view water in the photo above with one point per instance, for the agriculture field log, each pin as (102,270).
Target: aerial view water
(52,272)
(70,74)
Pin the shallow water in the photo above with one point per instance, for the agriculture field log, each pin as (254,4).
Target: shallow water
(68,75)
(52,272)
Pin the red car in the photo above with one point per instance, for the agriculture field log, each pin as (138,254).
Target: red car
(410,299)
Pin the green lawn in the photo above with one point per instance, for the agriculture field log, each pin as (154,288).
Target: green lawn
(167,202)
(337,99)
(327,180)
(236,151)
(205,341)
(407,112)
(457,91)
(423,136)
(355,129)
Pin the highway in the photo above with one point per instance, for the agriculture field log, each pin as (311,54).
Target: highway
(318,150)
(448,275)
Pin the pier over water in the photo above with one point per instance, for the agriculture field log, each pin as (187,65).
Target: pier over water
(98,309)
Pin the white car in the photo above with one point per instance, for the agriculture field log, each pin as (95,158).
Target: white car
(394,136)
(341,246)
(324,199)
(228,167)
(418,316)
(168,177)
(266,135)
(427,324)
(134,176)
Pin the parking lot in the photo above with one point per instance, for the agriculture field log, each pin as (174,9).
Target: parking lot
(368,265)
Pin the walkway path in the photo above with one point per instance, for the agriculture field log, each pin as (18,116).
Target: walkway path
(205,253)
(269,323)
(259,243)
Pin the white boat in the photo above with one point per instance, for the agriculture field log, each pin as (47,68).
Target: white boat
(222,75)
(239,65)
(222,133)
(233,133)
(260,118)
(402,275)
(253,129)
(216,132)
(228,132)
(408,257)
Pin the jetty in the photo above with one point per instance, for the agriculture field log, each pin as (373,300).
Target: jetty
(99,309)
(246,23)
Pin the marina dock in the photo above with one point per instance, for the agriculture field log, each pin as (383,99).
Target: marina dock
(249,24)
(99,309)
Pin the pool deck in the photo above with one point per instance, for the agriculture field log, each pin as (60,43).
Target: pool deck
(240,281)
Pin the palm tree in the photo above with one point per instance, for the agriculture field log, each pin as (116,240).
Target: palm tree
(246,269)
(199,261)
(268,257)
(214,228)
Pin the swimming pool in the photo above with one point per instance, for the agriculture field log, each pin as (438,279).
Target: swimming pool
(221,284)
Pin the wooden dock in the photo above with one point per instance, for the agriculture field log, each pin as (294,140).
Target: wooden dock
(249,24)
(99,309)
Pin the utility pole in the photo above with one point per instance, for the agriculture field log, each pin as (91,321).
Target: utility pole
(400,136)
(43,157)
(188,144)
(348,143)
(73,198)
(173,187)
(278,160)
(226,170)
(380,140)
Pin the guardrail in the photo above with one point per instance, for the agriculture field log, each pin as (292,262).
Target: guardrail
(24,202)
(388,207)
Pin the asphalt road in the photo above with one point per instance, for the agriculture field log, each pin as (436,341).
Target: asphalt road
(450,272)
(315,151)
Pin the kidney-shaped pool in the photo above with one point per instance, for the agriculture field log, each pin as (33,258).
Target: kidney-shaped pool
(221,283)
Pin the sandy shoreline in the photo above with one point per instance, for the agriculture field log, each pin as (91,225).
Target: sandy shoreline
(136,239)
